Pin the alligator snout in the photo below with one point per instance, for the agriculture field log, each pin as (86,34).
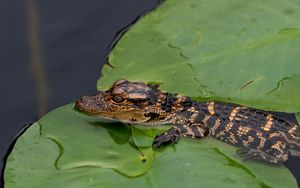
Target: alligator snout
(81,103)
(89,104)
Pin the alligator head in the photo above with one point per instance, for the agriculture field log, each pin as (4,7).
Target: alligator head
(125,101)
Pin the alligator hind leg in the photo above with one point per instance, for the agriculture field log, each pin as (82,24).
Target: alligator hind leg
(274,150)
(173,134)
(272,155)
(249,153)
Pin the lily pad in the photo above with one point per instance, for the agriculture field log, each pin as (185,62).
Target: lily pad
(70,149)
(143,136)
(241,51)
(298,117)
(116,152)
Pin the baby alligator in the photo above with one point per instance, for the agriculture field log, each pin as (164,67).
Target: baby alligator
(259,134)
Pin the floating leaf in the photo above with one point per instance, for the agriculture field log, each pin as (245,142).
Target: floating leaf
(70,149)
(143,136)
(242,51)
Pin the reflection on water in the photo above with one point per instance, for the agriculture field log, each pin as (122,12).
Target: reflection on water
(36,61)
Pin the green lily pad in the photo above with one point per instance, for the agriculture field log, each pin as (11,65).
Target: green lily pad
(113,138)
(143,136)
(238,51)
(70,149)
(298,117)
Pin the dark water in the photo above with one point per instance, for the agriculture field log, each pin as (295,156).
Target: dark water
(74,38)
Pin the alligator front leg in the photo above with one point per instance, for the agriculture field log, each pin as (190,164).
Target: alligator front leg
(173,134)
(170,136)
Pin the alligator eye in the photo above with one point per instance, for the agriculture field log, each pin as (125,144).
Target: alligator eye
(118,99)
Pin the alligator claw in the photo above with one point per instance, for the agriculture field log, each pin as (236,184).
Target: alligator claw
(168,137)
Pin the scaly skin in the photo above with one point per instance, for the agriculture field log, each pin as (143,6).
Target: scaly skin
(259,134)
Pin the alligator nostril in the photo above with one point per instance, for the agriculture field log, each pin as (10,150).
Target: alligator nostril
(81,99)
(79,102)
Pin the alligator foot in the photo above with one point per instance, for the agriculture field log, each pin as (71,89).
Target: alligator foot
(170,136)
